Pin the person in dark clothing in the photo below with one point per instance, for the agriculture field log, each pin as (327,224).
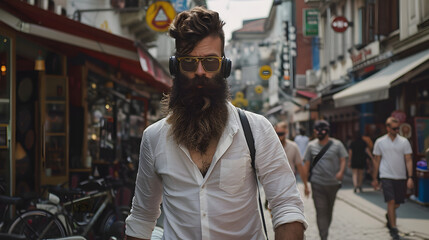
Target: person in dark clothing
(358,154)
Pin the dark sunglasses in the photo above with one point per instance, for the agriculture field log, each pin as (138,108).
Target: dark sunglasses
(190,64)
(280,134)
(395,129)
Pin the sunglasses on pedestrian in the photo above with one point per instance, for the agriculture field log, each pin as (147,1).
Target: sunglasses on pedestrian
(210,64)
(395,128)
(280,134)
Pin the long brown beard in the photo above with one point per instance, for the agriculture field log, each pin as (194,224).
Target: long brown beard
(197,115)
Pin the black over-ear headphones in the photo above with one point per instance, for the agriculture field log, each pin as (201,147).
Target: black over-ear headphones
(173,64)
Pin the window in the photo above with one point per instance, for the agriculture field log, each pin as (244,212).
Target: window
(371,22)
(387,9)
(360,26)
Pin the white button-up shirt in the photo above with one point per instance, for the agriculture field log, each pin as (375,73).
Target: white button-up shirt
(223,204)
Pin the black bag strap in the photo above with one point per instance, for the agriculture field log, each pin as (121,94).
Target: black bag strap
(251,144)
(319,156)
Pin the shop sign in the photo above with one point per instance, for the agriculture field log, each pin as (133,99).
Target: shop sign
(368,52)
(339,24)
(311,22)
(159,15)
(179,5)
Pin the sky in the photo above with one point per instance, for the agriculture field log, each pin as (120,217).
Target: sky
(233,12)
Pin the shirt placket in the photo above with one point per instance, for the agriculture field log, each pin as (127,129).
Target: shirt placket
(203,212)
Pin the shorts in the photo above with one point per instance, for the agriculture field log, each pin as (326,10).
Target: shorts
(394,189)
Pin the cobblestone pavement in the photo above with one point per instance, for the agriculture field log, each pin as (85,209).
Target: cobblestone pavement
(347,223)
(353,219)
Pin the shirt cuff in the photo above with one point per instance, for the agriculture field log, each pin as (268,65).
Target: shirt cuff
(292,217)
(138,228)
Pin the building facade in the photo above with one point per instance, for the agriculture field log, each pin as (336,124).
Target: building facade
(79,83)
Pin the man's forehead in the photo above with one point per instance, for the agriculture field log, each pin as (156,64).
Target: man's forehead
(208,46)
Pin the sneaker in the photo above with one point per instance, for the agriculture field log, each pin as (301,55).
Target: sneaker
(394,234)
(388,222)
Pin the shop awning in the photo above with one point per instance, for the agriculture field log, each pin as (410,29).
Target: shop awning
(307,94)
(95,42)
(376,87)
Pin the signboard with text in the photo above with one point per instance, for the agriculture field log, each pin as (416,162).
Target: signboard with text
(311,22)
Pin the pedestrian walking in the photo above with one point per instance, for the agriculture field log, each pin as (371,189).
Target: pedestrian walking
(196,160)
(302,141)
(292,152)
(358,154)
(392,158)
(325,161)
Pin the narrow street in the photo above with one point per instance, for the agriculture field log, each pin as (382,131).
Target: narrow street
(361,216)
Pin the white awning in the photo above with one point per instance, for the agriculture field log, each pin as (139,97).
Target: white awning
(377,86)
(301,116)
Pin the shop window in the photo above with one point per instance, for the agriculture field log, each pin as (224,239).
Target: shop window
(5,116)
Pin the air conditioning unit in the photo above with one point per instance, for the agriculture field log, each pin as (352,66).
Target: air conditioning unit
(311,78)
(300,81)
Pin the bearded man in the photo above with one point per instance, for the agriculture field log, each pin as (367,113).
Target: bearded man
(326,173)
(196,160)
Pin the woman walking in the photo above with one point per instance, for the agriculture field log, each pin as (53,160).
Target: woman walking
(358,153)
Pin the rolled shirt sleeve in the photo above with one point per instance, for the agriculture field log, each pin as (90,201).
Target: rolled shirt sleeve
(148,195)
(276,175)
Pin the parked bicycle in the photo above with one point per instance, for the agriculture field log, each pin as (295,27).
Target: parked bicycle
(69,212)
(16,205)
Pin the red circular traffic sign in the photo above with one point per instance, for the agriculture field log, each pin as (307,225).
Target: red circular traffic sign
(339,24)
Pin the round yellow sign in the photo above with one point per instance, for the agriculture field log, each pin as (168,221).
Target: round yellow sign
(259,89)
(159,15)
(265,72)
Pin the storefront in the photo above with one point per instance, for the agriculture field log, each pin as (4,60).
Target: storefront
(72,97)
(402,90)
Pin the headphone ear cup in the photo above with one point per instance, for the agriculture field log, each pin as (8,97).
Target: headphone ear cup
(226,67)
(173,65)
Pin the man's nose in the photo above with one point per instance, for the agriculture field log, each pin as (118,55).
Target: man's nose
(200,70)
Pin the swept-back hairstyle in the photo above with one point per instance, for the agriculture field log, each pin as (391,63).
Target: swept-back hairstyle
(190,27)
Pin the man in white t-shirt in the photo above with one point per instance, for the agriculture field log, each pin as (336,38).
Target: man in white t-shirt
(390,152)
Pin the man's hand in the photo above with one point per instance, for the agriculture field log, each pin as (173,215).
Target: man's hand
(410,183)
(339,176)
(290,231)
(306,191)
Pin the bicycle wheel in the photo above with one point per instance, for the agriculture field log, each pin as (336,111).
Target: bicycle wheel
(35,223)
(110,218)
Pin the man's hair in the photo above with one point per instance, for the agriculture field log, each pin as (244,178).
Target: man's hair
(321,124)
(281,124)
(190,27)
(390,120)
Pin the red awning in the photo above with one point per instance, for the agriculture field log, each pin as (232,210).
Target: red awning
(112,49)
(306,94)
